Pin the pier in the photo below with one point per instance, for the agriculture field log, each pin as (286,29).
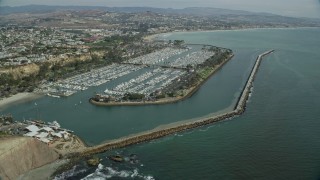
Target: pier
(158,133)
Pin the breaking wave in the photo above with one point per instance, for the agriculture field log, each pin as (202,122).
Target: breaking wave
(102,173)
(71,173)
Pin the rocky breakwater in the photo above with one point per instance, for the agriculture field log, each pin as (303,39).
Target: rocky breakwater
(158,133)
(21,154)
(242,100)
(153,134)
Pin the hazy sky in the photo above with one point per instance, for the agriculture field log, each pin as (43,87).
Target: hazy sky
(298,8)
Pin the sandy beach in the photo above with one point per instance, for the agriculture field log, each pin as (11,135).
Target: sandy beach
(163,35)
(18,98)
(156,36)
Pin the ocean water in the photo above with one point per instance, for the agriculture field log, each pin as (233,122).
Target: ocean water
(278,137)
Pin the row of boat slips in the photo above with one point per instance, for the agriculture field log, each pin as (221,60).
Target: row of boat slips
(143,84)
(158,56)
(81,82)
(193,58)
(147,82)
(165,57)
(157,79)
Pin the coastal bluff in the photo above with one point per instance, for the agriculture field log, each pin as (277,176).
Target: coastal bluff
(21,154)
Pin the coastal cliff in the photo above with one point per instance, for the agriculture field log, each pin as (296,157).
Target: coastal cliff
(21,154)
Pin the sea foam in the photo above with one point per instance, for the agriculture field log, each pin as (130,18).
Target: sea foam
(108,172)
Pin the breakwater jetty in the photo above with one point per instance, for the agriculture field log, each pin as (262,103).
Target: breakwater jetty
(158,133)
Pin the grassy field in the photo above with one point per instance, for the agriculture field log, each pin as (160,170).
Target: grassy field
(205,72)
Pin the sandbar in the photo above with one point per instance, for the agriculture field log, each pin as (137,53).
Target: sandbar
(18,98)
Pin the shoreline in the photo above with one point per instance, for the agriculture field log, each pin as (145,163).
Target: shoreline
(18,98)
(160,36)
(189,93)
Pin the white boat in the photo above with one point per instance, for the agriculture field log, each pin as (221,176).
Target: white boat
(54,123)
(51,95)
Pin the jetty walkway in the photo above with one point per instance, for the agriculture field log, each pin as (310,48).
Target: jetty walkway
(158,133)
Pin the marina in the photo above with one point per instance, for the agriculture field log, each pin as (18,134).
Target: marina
(159,70)
(168,83)
(146,83)
(75,108)
(82,82)
(192,59)
(158,57)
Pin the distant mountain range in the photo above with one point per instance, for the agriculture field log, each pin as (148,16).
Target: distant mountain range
(201,11)
(196,11)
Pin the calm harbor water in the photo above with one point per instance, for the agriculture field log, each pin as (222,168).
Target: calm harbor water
(278,137)
(97,124)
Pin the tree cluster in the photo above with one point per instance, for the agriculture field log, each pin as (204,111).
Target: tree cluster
(133,96)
